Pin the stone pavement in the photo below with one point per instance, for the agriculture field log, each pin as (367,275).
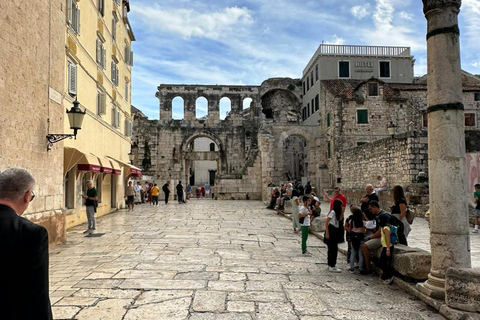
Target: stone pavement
(419,237)
(211,260)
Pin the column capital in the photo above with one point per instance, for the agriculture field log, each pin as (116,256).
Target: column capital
(439,4)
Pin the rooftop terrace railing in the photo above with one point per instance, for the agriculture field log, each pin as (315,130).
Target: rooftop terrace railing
(333,49)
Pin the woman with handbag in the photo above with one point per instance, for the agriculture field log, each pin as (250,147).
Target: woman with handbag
(332,234)
(399,210)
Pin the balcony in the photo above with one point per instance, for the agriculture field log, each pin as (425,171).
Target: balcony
(353,50)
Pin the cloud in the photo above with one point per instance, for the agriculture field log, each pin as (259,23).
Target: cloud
(360,11)
(406,15)
(190,23)
(383,15)
(336,40)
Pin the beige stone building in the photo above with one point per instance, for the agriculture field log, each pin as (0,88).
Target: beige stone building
(98,62)
(31,86)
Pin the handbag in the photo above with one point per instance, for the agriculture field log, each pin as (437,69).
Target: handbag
(409,216)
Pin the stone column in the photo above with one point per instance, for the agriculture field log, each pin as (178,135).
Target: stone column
(165,108)
(449,228)
(189,108)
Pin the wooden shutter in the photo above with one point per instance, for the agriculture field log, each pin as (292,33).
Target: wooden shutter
(99,51)
(70,12)
(116,75)
(104,58)
(103,103)
(72,78)
(77,22)
(127,54)
(114,115)
(131,58)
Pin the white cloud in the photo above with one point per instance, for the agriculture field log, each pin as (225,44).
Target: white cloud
(475,64)
(360,11)
(383,15)
(190,23)
(406,15)
(471,14)
(336,40)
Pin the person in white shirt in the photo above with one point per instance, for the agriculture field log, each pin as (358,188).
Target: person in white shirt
(304,215)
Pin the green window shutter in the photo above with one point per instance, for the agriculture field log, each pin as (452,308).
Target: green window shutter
(362,116)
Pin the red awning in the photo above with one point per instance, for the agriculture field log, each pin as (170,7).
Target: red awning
(106,165)
(89,163)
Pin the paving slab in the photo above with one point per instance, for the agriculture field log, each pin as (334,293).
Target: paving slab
(214,260)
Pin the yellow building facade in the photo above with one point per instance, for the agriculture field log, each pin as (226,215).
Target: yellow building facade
(98,64)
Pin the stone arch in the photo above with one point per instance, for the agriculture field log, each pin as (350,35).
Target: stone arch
(276,104)
(178,104)
(294,132)
(225,106)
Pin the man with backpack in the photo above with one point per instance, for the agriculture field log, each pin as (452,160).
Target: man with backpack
(166,190)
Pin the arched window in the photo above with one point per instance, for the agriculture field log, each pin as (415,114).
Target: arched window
(212,146)
(201,107)
(225,107)
(247,102)
(178,108)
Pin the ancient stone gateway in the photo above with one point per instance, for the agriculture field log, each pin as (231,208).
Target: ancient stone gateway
(247,142)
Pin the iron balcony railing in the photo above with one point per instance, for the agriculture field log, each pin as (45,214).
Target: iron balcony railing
(354,50)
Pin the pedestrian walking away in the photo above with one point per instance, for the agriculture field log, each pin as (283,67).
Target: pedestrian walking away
(91,199)
(24,284)
(155,193)
(130,195)
(166,191)
(180,192)
(295,211)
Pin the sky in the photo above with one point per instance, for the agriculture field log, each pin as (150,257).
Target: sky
(245,42)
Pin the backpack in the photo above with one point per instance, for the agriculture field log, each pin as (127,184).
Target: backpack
(393,234)
(164,188)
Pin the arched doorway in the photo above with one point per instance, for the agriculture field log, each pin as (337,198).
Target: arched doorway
(295,156)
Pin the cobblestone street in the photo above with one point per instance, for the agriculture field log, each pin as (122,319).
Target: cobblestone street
(211,260)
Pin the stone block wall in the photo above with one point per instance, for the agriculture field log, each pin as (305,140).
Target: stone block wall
(398,159)
(32,71)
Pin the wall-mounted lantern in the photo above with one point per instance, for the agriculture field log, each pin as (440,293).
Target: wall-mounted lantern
(75,117)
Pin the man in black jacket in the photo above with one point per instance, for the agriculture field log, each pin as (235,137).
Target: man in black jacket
(24,292)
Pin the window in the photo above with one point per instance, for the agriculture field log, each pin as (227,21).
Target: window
(311,78)
(304,113)
(470,120)
(316,103)
(384,69)
(101,54)
(328,120)
(329,150)
(101,102)
(313,106)
(126,90)
(344,69)
(373,89)
(72,78)
(212,146)
(425,120)
(308,110)
(73,18)
(308,83)
(101,7)
(316,72)
(114,26)
(360,143)
(128,55)
(477,96)
(362,116)
(115,73)
(303,85)
(115,117)
(128,127)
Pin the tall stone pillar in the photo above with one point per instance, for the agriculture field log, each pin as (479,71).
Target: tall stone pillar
(165,108)
(449,228)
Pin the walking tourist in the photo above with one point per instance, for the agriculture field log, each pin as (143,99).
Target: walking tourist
(369,196)
(202,190)
(130,195)
(142,193)
(308,189)
(180,192)
(207,190)
(214,188)
(138,188)
(387,250)
(91,199)
(295,213)
(399,210)
(332,234)
(166,191)
(337,194)
(476,199)
(373,242)
(355,226)
(155,193)
(188,190)
(304,219)
(149,193)
(24,286)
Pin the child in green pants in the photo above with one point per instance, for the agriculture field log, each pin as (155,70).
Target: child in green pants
(304,217)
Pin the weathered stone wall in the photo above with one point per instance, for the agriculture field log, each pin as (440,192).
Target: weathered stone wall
(33,58)
(398,159)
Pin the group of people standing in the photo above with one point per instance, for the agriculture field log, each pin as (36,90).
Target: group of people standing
(367,228)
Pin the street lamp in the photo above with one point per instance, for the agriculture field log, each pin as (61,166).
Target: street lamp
(391,129)
(75,117)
